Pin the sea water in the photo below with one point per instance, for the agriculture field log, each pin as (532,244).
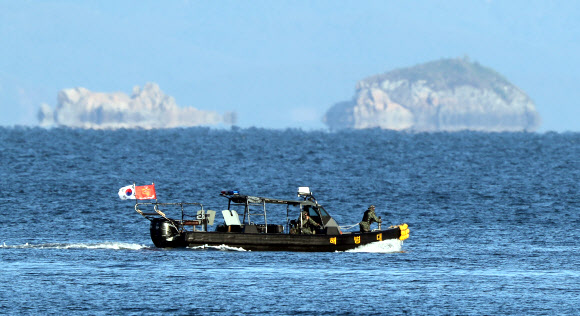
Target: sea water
(493,218)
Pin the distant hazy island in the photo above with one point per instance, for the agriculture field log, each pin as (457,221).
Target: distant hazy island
(148,107)
(444,95)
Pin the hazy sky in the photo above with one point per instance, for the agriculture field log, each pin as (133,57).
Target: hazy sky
(279,64)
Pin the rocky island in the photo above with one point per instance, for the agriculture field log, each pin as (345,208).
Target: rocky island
(147,107)
(443,95)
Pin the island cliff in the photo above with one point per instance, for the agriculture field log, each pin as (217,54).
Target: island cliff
(444,95)
(147,107)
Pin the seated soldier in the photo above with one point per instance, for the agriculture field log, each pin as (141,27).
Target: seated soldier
(368,218)
(306,224)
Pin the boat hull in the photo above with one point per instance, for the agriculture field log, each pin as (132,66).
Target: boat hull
(285,242)
(165,238)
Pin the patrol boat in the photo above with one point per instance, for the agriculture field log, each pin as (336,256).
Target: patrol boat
(254,232)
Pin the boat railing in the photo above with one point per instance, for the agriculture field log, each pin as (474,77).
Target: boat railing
(182,216)
(259,211)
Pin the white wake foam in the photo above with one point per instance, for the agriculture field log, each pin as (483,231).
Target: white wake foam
(102,245)
(221,248)
(385,246)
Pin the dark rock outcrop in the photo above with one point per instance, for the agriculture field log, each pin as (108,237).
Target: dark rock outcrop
(444,95)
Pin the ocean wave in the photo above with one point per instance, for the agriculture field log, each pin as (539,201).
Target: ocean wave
(102,245)
(385,246)
(220,248)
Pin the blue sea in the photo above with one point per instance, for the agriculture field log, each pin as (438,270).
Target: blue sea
(494,222)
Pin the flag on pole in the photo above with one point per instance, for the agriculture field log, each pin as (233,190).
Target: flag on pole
(145,192)
(127,192)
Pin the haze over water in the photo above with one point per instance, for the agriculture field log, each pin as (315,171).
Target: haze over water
(493,220)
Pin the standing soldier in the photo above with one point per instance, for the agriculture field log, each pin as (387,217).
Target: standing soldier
(368,218)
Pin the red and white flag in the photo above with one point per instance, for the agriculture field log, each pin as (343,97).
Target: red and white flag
(127,192)
(145,192)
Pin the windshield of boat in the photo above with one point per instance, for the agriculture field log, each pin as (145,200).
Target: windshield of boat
(317,213)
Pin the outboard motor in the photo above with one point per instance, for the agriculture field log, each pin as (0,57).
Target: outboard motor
(163,234)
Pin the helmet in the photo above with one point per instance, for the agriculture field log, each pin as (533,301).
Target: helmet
(372,207)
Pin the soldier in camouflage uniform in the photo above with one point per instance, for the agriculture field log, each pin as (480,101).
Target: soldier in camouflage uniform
(368,218)
(307,224)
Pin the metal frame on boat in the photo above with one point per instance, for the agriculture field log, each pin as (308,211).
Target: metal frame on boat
(187,226)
